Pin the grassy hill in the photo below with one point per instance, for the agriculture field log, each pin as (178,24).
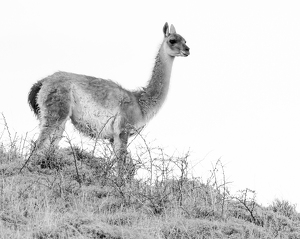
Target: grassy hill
(70,193)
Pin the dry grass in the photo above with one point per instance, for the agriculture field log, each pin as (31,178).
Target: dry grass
(70,193)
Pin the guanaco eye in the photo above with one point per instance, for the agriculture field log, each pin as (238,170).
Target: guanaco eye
(172,41)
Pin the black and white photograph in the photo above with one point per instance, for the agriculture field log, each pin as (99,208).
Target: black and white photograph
(149,119)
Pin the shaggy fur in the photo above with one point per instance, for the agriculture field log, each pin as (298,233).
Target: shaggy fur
(101,108)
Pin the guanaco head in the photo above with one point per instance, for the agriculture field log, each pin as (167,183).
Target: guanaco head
(175,44)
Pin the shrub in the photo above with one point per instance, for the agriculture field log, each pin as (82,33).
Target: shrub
(284,208)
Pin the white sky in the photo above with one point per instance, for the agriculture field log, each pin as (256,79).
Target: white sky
(236,95)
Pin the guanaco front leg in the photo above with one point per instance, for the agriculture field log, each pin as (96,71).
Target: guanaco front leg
(120,150)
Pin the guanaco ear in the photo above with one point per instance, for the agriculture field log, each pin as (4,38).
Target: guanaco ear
(166,29)
(172,29)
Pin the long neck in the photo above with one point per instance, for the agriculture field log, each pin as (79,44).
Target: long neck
(152,97)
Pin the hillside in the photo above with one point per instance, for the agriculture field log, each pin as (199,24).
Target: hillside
(69,193)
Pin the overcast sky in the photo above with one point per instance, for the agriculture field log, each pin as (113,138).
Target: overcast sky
(236,96)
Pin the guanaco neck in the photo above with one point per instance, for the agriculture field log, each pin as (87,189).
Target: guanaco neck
(152,97)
